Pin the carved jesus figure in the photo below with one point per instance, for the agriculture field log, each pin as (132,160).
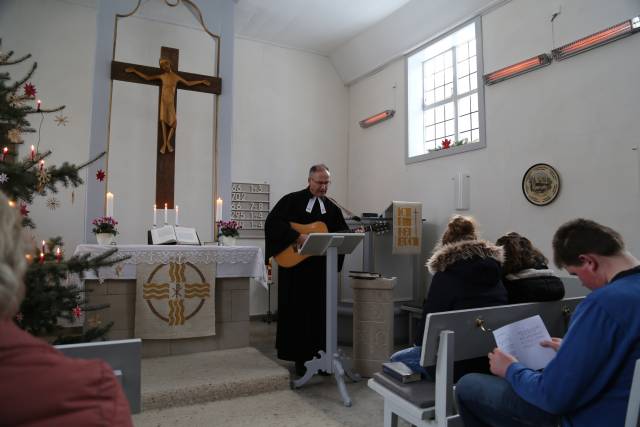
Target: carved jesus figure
(169,80)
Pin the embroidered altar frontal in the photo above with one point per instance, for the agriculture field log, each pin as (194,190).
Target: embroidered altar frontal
(175,300)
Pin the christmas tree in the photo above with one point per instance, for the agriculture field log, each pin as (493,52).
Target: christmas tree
(49,295)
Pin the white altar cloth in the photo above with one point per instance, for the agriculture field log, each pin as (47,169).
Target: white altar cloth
(232,261)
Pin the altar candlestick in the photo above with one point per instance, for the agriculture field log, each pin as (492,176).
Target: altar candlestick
(166,215)
(177,215)
(110,204)
(39,102)
(5,151)
(218,209)
(155,210)
(33,153)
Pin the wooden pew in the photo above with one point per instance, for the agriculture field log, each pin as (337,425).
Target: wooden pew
(452,336)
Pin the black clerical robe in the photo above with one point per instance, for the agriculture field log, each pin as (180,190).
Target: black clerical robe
(301,288)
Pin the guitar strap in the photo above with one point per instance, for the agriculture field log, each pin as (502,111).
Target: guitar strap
(312,201)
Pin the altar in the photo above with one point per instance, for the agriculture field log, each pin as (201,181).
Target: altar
(226,272)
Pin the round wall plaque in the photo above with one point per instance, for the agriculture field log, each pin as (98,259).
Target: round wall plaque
(541,184)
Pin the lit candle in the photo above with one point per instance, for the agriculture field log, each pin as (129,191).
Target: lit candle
(41,257)
(41,165)
(58,254)
(43,249)
(33,153)
(165,214)
(154,214)
(177,215)
(218,209)
(5,151)
(110,204)
(39,102)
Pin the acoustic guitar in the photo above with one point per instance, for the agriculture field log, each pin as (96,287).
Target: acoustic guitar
(291,257)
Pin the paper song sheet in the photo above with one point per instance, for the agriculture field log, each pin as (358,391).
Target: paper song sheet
(522,340)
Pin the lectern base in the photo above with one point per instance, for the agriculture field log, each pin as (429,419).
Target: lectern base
(331,365)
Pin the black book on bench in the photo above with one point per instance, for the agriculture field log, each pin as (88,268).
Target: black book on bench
(401,372)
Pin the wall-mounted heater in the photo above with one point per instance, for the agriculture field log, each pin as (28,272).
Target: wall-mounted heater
(600,38)
(377,118)
(521,67)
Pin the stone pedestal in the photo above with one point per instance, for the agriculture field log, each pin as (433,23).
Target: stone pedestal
(372,324)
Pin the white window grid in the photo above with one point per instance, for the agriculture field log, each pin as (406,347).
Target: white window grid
(450,101)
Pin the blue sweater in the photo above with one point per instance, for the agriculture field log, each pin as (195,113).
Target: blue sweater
(588,381)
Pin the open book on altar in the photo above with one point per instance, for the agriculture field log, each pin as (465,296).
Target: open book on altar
(522,340)
(170,235)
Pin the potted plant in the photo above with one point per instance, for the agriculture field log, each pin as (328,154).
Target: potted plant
(104,228)
(228,231)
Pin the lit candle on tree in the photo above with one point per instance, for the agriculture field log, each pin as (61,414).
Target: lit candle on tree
(5,151)
(177,215)
(155,210)
(39,102)
(33,153)
(58,254)
(41,165)
(43,248)
(41,257)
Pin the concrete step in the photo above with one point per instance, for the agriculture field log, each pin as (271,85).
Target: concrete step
(198,378)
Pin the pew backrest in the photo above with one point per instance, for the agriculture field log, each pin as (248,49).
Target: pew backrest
(472,327)
(124,358)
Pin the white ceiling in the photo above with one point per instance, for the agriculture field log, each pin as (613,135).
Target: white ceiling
(319,26)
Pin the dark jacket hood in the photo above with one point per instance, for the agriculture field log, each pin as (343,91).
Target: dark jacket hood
(475,261)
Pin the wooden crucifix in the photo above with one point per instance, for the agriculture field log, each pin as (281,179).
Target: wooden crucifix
(168,78)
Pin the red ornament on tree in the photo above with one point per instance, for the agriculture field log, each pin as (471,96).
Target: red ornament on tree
(100,175)
(23,209)
(446,143)
(29,89)
(77,311)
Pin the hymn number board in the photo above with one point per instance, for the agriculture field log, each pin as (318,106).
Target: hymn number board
(250,207)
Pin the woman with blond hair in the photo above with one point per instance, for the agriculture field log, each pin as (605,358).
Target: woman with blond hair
(525,273)
(39,386)
(466,274)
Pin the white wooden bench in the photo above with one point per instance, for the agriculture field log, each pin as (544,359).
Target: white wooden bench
(452,336)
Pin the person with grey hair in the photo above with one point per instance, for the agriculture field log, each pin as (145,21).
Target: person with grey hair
(301,282)
(39,385)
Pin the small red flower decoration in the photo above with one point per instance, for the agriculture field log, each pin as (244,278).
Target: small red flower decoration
(29,89)
(23,209)
(446,143)
(77,311)
(100,175)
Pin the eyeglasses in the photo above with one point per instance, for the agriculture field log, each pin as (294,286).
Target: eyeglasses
(321,183)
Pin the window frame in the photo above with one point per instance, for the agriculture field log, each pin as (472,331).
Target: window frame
(477,21)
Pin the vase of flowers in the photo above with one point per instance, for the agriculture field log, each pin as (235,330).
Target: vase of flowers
(104,228)
(228,232)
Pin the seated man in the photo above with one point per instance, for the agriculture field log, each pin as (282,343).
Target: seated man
(588,381)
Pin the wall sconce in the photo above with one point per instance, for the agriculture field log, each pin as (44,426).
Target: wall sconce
(600,38)
(377,118)
(517,69)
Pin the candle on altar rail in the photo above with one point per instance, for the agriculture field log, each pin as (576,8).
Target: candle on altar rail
(110,204)
(58,254)
(5,151)
(33,153)
(166,215)
(155,211)
(177,215)
(218,209)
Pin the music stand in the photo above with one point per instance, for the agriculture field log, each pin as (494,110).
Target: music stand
(331,360)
